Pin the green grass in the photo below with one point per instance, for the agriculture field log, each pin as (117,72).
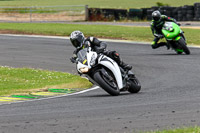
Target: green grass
(103,31)
(26,10)
(195,129)
(97,3)
(24,80)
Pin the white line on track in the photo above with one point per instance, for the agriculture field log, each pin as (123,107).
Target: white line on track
(76,93)
(62,37)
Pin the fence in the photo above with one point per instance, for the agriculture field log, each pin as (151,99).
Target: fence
(82,12)
(44,13)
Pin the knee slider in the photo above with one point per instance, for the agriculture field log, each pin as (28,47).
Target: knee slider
(153,46)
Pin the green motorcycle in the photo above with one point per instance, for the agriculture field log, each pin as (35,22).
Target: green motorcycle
(175,38)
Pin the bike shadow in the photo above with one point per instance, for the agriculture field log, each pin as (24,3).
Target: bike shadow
(168,54)
(107,95)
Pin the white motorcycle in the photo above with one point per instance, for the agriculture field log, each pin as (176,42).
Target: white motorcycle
(106,73)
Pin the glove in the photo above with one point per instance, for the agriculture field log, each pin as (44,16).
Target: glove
(73,60)
(160,36)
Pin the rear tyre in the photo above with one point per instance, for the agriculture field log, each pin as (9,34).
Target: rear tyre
(183,44)
(135,85)
(108,87)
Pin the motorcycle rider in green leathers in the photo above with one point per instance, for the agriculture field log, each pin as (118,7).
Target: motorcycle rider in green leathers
(157,23)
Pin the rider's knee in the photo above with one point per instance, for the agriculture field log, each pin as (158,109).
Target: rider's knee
(153,46)
(114,55)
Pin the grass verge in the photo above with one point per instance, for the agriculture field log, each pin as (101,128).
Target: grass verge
(103,31)
(26,80)
(195,129)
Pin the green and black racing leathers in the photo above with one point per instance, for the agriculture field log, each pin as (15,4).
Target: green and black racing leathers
(156,27)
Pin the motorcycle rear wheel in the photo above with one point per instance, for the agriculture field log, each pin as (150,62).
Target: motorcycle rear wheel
(114,91)
(179,52)
(135,85)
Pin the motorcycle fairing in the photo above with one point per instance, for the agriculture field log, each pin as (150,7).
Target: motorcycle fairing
(113,66)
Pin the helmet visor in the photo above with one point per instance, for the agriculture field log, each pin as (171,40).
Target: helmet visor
(156,18)
(76,43)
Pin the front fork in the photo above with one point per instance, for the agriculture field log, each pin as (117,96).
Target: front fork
(182,35)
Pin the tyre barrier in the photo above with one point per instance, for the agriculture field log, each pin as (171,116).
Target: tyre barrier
(98,14)
(182,13)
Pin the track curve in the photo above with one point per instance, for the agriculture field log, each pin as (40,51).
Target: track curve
(169,97)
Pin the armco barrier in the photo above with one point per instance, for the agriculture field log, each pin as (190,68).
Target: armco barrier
(182,13)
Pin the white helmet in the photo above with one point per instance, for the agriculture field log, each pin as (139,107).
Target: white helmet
(77,38)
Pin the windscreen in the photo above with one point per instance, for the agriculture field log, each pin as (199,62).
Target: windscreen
(82,55)
(168,26)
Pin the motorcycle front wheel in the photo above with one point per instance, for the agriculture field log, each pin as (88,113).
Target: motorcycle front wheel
(109,87)
(183,44)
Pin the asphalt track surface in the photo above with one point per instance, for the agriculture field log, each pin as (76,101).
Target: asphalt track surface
(170,95)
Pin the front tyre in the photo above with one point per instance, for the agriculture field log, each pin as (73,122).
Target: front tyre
(183,44)
(109,88)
